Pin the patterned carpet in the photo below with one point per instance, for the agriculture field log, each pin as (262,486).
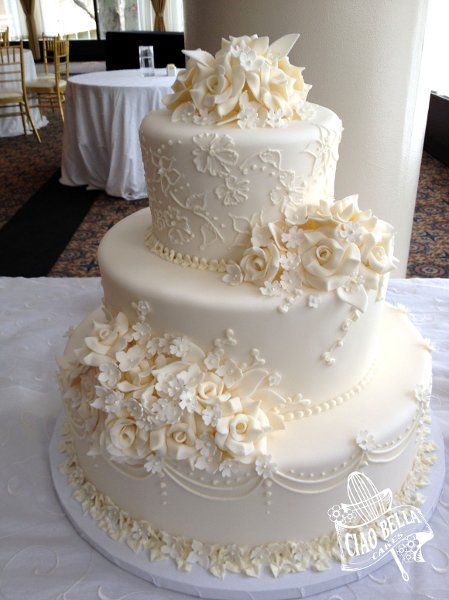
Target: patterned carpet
(25,166)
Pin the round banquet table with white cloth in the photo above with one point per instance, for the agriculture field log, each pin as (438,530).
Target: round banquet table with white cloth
(12,126)
(101,134)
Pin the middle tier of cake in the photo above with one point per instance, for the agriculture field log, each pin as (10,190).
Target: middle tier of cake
(319,354)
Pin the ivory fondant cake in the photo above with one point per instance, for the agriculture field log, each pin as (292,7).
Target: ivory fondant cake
(244,361)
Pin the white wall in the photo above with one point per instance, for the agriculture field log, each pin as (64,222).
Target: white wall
(363,58)
(437,46)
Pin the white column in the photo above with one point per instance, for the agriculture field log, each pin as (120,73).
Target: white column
(364,59)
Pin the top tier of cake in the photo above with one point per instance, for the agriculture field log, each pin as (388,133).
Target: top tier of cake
(209,184)
(238,147)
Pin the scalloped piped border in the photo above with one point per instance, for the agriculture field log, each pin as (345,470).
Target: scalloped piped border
(281,558)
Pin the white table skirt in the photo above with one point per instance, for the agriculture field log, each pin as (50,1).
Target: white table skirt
(12,126)
(101,134)
(41,556)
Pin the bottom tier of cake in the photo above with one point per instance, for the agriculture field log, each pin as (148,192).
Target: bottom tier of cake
(278,513)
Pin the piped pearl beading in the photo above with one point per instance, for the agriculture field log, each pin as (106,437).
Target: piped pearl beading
(184,260)
(316,409)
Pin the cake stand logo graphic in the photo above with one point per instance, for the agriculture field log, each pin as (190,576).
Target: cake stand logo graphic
(370,527)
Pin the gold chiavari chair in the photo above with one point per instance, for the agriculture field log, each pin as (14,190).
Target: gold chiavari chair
(50,89)
(48,49)
(13,92)
(4,38)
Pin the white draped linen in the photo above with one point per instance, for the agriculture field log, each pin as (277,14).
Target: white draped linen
(12,126)
(101,133)
(41,556)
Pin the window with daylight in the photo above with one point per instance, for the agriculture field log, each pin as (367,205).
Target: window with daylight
(11,16)
(75,18)
(88,19)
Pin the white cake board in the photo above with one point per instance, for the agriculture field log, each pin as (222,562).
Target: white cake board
(201,583)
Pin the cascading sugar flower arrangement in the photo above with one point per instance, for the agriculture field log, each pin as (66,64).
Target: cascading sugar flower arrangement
(144,398)
(332,247)
(248,82)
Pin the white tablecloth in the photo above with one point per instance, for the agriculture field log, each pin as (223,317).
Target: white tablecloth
(41,556)
(12,126)
(101,134)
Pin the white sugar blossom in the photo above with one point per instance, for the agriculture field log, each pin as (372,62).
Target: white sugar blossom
(153,464)
(213,360)
(291,281)
(152,346)
(165,411)
(289,261)
(230,372)
(313,301)
(296,214)
(199,554)
(111,401)
(130,359)
(141,331)
(188,401)
(248,117)
(422,395)
(233,275)
(265,467)
(184,113)
(109,375)
(365,440)
(134,408)
(227,468)
(211,414)
(180,347)
(142,308)
(271,288)
(293,237)
(276,118)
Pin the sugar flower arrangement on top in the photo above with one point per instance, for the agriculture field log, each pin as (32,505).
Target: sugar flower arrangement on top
(248,82)
(145,399)
(326,247)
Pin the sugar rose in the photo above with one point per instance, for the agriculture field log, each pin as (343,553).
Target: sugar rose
(243,433)
(260,264)
(327,263)
(181,438)
(124,441)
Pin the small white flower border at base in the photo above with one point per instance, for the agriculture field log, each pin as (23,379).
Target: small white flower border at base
(281,558)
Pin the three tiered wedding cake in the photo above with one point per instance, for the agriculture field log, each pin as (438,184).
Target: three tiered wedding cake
(244,361)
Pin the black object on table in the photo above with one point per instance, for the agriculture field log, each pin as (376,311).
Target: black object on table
(122,48)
